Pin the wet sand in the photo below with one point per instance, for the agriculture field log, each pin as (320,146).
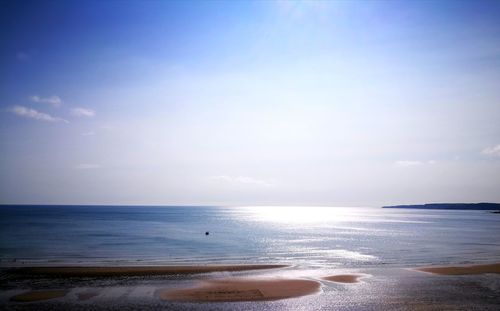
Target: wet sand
(463,270)
(136,270)
(343,278)
(243,290)
(87,295)
(39,295)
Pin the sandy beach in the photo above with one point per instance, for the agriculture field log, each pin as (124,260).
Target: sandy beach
(343,278)
(55,287)
(463,270)
(39,295)
(244,290)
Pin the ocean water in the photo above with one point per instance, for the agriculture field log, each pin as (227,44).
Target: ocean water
(381,244)
(309,237)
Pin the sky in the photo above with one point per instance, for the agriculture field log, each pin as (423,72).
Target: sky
(337,103)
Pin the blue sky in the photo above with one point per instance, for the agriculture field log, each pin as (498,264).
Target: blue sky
(249,103)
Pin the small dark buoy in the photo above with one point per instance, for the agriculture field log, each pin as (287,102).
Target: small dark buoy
(207,233)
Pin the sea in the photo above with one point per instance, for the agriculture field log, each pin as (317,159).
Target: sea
(383,244)
(309,236)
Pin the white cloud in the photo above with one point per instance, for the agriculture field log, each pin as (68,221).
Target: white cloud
(82,112)
(34,114)
(492,151)
(53,100)
(90,133)
(241,180)
(87,166)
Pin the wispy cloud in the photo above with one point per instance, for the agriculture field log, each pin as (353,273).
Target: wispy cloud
(241,180)
(406,163)
(89,133)
(82,112)
(34,114)
(87,166)
(54,100)
(492,151)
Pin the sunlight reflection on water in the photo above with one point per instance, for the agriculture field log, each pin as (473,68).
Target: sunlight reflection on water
(318,214)
(301,214)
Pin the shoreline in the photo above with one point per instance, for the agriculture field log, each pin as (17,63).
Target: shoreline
(152,270)
(108,271)
(216,288)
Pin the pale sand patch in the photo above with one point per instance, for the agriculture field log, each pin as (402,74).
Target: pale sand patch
(463,270)
(136,270)
(243,290)
(39,295)
(343,278)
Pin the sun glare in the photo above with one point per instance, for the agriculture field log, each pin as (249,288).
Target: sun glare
(300,214)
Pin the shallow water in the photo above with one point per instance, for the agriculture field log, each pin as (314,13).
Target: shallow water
(310,237)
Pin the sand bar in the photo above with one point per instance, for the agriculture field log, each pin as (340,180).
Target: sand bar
(243,290)
(463,270)
(343,278)
(39,295)
(135,270)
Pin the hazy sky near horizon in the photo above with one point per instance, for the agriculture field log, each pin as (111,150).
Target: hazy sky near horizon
(249,103)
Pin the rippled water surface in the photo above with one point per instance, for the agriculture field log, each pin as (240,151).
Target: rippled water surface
(304,236)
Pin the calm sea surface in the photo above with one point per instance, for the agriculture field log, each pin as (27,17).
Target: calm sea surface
(304,236)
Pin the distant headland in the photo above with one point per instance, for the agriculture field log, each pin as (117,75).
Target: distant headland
(452,206)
